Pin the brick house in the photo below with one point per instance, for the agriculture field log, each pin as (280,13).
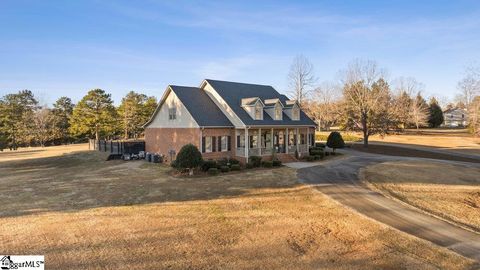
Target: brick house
(229,120)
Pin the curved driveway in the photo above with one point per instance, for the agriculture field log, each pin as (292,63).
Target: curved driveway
(339,180)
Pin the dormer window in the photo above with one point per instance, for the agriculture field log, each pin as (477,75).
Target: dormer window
(258,111)
(296,113)
(278,113)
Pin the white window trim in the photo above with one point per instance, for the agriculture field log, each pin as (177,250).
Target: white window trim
(207,149)
(222,140)
(172,113)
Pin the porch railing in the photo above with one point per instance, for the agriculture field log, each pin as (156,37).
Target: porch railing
(266,151)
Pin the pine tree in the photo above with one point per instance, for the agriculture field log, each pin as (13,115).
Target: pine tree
(435,118)
(94,116)
(134,112)
(61,114)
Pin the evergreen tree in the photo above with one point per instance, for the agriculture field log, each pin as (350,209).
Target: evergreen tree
(94,116)
(16,118)
(435,118)
(61,114)
(134,111)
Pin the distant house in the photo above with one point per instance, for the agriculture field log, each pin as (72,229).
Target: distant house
(455,117)
(229,119)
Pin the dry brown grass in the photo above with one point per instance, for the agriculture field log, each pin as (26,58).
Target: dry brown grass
(446,190)
(86,213)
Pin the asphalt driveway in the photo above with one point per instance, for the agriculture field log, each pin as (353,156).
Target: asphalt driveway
(339,180)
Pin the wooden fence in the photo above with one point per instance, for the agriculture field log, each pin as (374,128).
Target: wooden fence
(117,147)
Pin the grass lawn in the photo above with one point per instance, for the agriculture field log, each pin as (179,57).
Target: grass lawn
(446,190)
(83,212)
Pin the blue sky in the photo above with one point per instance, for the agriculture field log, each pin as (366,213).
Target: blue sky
(57,48)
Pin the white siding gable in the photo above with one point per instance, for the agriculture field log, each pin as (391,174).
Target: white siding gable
(290,114)
(183,118)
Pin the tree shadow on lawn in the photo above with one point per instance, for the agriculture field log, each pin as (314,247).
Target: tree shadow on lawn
(85,180)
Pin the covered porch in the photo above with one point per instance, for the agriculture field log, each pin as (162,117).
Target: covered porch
(265,141)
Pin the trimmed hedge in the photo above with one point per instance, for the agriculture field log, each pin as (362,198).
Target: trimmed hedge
(256,161)
(213,171)
(267,164)
(335,141)
(235,167)
(188,157)
(276,163)
(207,164)
(224,168)
(249,165)
(310,158)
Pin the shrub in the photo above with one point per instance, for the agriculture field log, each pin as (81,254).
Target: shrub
(234,161)
(224,168)
(222,162)
(316,152)
(276,163)
(213,171)
(207,164)
(317,157)
(174,164)
(189,157)
(335,140)
(267,164)
(310,158)
(249,165)
(256,161)
(235,167)
(321,145)
(327,154)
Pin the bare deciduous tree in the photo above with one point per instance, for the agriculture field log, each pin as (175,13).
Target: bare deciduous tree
(419,111)
(407,109)
(301,78)
(474,115)
(324,104)
(367,97)
(42,125)
(469,86)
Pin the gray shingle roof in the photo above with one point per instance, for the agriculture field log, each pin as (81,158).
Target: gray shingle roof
(233,92)
(201,106)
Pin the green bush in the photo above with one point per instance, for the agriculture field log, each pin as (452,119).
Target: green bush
(224,168)
(207,164)
(317,157)
(267,164)
(213,171)
(321,145)
(335,141)
(235,167)
(188,157)
(256,161)
(327,154)
(249,165)
(276,163)
(316,152)
(234,161)
(310,158)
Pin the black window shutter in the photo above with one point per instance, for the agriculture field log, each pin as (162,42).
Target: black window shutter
(238,140)
(214,143)
(229,143)
(219,143)
(203,144)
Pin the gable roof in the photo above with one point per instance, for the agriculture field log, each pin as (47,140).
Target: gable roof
(234,92)
(201,106)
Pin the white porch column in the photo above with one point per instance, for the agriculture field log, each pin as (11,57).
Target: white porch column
(247,144)
(286,141)
(296,140)
(201,139)
(271,141)
(308,137)
(259,141)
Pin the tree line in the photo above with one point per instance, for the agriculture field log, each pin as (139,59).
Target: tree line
(363,99)
(24,122)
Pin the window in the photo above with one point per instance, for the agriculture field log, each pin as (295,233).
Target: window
(223,143)
(278,112)
(241,141)
(172,113)
(296,113)
(258,111)
(208,144)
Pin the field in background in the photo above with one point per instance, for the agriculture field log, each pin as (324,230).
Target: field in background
(456,140)
(78,209)
(450,191)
